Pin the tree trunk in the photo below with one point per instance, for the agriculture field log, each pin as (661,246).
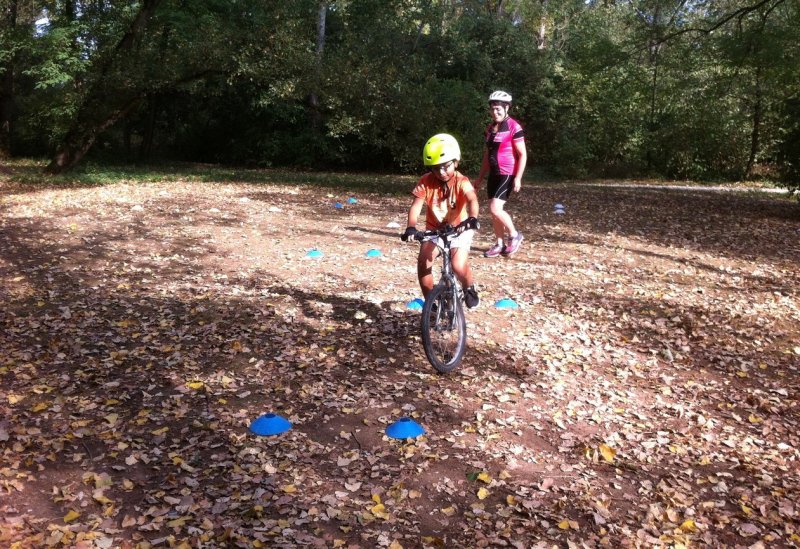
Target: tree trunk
(313,100)
(496,8)
(540,38)
(95,114)
(655,47)
(6,110)
(754,49)
(81,139)
(652,116)
(148,136)
(541,35)
(7,73)
(755,134)
(421,26)
(127,133)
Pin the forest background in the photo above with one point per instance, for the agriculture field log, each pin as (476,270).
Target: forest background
(681,89)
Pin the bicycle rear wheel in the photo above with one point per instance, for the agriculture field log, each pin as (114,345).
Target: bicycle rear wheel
(444,329)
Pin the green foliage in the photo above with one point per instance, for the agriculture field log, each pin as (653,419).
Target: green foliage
(607,89)
(27,173)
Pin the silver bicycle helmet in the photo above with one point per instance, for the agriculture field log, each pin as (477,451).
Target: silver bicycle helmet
(500,95)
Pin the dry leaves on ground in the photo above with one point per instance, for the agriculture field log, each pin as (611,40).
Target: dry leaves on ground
(644,393)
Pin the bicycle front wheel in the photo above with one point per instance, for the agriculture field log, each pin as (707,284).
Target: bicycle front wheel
(444,329)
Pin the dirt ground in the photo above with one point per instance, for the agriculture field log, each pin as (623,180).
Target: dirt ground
(644,393)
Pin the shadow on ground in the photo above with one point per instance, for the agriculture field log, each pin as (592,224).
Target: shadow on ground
(139,343)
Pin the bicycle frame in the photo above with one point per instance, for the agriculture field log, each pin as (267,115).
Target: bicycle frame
(447,275)
(444,237)
(443,323)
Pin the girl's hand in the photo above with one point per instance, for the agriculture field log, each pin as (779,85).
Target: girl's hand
(517,184)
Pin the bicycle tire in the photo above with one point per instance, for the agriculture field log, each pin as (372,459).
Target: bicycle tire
(444,329)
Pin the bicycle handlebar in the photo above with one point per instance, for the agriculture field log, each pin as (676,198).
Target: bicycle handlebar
(447,230)
(427,235)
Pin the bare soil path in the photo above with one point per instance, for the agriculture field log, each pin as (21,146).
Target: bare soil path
(645,393)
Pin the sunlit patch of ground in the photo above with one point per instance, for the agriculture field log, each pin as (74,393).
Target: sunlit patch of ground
(644,393)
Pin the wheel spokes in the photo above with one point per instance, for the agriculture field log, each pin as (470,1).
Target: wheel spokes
(444,330)
(445,337)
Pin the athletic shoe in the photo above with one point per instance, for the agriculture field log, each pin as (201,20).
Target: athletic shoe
(471,297)
(495,250)
(513,244)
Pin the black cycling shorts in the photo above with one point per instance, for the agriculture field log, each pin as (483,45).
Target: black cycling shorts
(499,186)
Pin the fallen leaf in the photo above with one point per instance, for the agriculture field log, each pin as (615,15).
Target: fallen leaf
(100,497)
(71,516)
(748,529)
(128,521)
(379,511)
(180,521)
(608,453)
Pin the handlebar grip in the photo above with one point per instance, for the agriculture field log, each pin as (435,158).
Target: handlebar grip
(466,224)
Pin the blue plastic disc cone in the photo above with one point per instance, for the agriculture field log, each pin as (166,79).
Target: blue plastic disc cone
(314,253)
(351,200)
(270,424)
(416,305)
(559,206)
(405,427)
(506,303)
(338,205)
(374,253)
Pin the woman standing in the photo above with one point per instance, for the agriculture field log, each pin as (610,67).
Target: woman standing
(504,162)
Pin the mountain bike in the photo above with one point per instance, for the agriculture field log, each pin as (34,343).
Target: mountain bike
(444,326)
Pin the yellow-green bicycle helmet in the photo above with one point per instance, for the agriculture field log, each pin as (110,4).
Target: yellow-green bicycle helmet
(439,149)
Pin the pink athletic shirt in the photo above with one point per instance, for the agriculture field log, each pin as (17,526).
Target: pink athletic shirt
(500,146)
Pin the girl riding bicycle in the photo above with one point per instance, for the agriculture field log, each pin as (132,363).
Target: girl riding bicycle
(450,200)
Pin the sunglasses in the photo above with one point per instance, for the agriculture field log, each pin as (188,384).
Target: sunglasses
(441,167)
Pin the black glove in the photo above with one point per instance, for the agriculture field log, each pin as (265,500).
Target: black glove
(468,223)
(410,234)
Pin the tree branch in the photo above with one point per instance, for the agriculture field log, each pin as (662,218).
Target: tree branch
(740,13)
